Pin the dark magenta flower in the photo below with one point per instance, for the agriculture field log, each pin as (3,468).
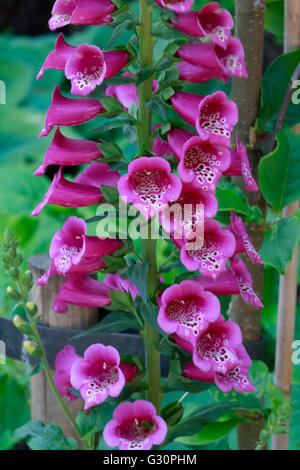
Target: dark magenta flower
(83,191)
(211,21)
(217,348)
(236,378)
(149,185)
(179,6)
(187,310)
(70,111)
(62,377)
(217,247)
(243,242)
(98,375)
(126,93)
(70,152)
(72,251)
(240,166)
(245,283)
(82,12)
(135,426)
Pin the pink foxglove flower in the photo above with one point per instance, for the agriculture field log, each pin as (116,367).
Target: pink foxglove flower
(236,378)
(72,251)
(62,378)
(91,12)
(135,426)
(211,21)
(236,279)
(243,242)
(187,310)
(245,283)
(83,191)
(126,93)
(204,61)
(186,215)
(179,6)
(218,246)
(149,185)
(129,370)
(217,348)
(98,375)
(70,111)
(58,57)
(69,152)
(240,166)
(214,116)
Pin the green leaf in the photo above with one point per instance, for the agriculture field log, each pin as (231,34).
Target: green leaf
(110,194)
(143,75)
(41,437)
(231,198)
(114,322)
(128,24)
(274,18)
(37,368)
(138,274)
(158,106)
(90,424)
(211,432)
(108,126)
(279,172)
(120,301)
(279,244)
(274,87)
(178,383)
(247,401)
(204,415)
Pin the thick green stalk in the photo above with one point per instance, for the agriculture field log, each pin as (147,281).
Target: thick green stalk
(144,129)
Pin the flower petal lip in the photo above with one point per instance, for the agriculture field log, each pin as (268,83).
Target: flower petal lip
(177,6)
(57,59)
(70,111)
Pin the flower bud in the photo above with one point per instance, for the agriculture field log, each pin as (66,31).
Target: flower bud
(28,280)
(31,308)
(172,413)
(32,349)
(13,293)
(14,274)
(18,259)
(21,325)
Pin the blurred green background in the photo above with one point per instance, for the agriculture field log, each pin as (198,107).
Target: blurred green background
(24,44)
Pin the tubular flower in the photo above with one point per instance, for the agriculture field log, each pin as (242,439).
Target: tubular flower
(62,378)
(203,61)
(69,152)
(83,191)
(214,116)
(243,242)
(98,375)
(149,185)
(70,111)
(72,251)
(236,279)
(186,215)
(211,21)
(91,12)
(217,247)
(126,93)
(240,166)
(135,426)
(179,6)
(187,310)
(86,66)
(216,348)
(236,378)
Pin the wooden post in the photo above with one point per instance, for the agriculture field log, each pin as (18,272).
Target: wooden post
(44,406)
(249,28)
(288,283)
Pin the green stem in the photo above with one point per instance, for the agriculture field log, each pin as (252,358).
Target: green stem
(144,129)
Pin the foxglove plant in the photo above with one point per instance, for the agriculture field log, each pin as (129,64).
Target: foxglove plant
(176,164)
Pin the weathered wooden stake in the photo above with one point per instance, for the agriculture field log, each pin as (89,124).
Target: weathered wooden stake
(44,406)
(288,283)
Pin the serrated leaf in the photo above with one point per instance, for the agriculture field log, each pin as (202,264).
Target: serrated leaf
(279,244)
(41,437)
(279,172)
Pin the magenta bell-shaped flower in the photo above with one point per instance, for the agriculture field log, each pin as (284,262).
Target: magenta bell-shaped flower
(240,166)
(70,111)
(243,242)
(187,310)
(179,6)
(70,152)
(126,93)
(85,12)
(211,21)
(135,426)
(83,191)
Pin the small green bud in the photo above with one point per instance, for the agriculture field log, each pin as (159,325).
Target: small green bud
(28,280)
(13,293)
(21,325)
(8,235)
(18,259)
(31,308)
(32,349)
(14,274)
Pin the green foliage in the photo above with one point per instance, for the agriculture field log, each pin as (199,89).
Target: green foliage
(114,322)
(41,437)
(279,171)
